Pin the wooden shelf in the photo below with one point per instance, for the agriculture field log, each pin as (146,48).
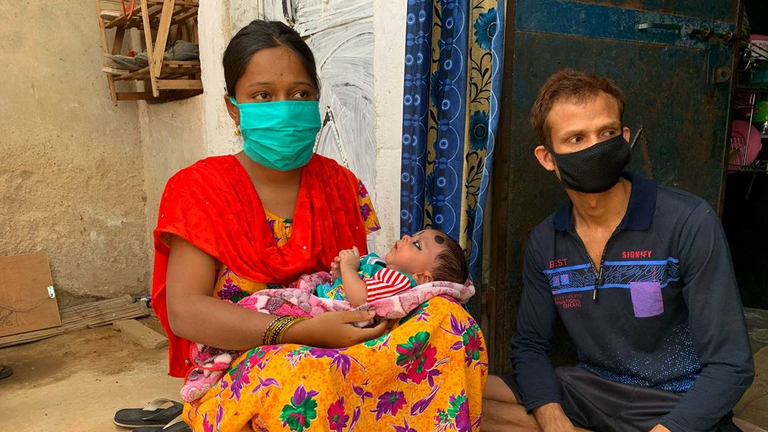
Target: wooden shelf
(160,22)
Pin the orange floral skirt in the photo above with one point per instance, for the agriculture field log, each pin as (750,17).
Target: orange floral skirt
(428,374)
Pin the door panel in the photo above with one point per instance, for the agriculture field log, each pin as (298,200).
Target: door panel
(671,90)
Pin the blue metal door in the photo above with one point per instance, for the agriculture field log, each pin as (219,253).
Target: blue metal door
(673,59)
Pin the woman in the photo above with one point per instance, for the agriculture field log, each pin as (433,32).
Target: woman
(232,225)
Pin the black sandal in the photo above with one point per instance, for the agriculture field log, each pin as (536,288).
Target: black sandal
(5,371)
(176,425)
(153,415)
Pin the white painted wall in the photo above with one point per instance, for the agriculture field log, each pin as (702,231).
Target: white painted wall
(388,66)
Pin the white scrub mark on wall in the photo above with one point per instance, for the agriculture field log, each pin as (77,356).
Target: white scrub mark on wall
(340,34)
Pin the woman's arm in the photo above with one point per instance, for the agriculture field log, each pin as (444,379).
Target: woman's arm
(194,314)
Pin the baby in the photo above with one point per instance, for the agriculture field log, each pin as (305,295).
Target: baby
(429,255)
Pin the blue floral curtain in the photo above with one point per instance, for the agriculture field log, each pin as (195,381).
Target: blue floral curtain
(452,80)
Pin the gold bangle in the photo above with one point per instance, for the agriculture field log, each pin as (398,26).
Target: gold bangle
(284,322)
(287,326)
(268,331)
(270,335)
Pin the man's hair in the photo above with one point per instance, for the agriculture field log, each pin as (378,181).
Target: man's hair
(574,86)
(451,263)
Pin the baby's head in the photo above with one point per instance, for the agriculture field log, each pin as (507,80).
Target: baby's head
(429,255)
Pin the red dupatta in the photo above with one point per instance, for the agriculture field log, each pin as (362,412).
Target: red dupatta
(213,205)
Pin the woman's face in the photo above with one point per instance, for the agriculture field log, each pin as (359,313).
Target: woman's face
(273,74)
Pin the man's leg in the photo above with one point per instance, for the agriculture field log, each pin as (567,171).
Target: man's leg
(502,412)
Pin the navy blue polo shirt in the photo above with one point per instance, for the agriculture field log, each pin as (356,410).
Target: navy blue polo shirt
(667,312)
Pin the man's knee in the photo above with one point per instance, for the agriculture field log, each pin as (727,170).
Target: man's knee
(506,417)
(498,390)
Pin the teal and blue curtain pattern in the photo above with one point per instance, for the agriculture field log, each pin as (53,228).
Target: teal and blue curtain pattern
(453,69)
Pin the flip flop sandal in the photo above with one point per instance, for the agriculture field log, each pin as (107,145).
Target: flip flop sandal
(5,372)
(157,413)
(176,425)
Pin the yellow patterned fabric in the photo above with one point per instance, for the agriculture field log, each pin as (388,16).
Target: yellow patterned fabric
(428,374)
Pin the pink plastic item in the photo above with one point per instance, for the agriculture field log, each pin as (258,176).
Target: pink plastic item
(739,131)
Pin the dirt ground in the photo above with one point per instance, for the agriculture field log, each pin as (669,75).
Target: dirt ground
(76,382)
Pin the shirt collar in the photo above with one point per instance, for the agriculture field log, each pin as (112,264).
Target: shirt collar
(642,206)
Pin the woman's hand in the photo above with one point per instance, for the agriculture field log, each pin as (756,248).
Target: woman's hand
(350,259)
(335,330)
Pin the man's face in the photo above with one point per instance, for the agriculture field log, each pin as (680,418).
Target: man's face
(575,125)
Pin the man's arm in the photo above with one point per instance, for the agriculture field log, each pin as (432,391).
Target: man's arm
(716,321)
(534,375)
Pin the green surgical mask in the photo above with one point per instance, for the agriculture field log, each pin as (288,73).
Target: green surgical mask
(279,135)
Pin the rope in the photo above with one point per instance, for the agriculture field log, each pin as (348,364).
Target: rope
(126,12)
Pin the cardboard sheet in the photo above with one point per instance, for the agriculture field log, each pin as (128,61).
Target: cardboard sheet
(25,302)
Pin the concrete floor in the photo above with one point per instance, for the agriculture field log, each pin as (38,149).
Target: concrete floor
(76,382)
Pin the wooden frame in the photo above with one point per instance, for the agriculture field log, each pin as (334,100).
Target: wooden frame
(165,79)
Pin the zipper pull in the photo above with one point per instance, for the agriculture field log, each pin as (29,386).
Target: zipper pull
(598,282)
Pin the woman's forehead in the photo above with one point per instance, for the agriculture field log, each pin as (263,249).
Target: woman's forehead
(275,65)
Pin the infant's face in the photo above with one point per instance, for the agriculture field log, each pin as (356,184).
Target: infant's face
(417,253)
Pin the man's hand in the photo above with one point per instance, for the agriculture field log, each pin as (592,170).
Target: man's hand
(659,428)
(552,418)
(349,259)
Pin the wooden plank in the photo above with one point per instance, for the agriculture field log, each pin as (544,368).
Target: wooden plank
(137,19)
(149,46)
(126,96)
(163,29)
(182,62)
(117,45)
(105,50)
(184,16)
(25,303)
(84,316)
(187,3)
(179,84)
(139,74)
(141,334)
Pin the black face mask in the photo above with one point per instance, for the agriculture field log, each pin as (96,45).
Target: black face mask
(594,169)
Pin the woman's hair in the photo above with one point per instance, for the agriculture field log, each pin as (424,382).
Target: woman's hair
(257,36)
(450,263)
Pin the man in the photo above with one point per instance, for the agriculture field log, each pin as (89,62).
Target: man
(641,276)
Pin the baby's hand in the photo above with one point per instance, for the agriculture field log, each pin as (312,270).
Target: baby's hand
(350,258)
(335,269)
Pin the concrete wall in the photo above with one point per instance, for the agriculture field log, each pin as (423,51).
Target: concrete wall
(172,137)
(71,176)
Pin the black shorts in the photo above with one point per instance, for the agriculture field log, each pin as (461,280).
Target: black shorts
(594,403)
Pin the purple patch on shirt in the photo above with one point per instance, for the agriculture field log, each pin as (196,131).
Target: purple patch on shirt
(646,299)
